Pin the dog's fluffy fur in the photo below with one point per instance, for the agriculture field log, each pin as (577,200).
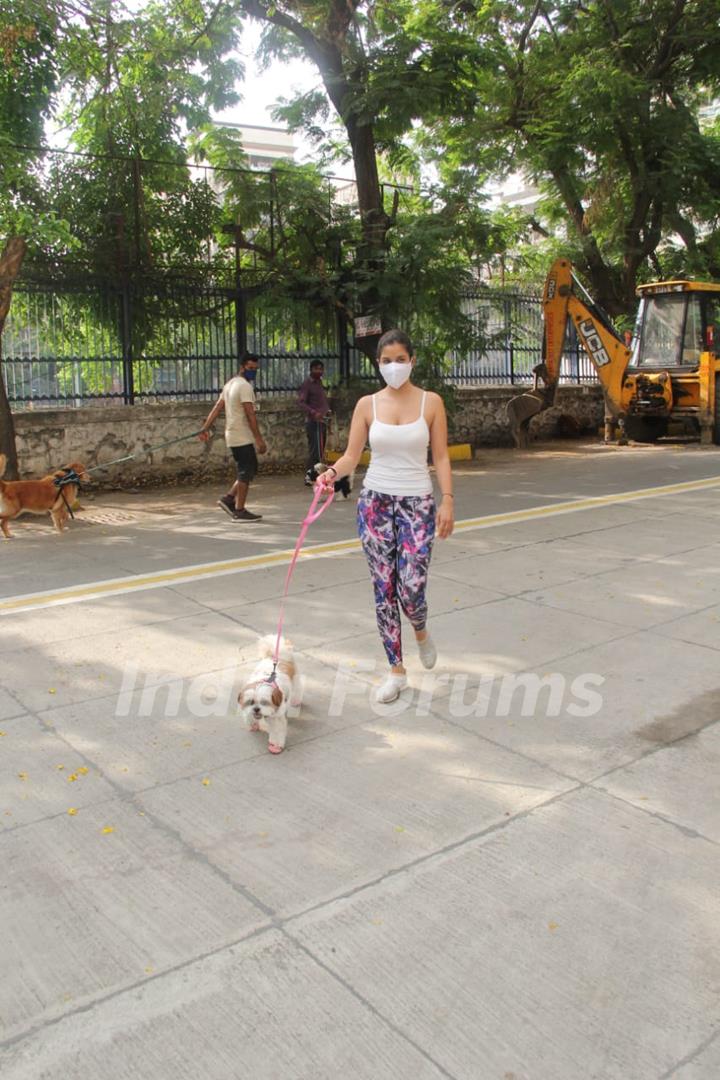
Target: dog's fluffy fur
(263,703)
(344,484)
(38,496)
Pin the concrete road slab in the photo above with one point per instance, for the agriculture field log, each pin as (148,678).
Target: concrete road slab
(263,1009)
(704,1064)
(678,782)
(698,504)
(334,612)
(534,952)
(560,723)
(574,523)
(81,669)
(649,539)
(252,586)
(86,620)
(328,817)
(87,912)
(700,628)
(641,595)
(530,566)
(9,707)
(492,639)
(513,634)
(157,734)
(41,775)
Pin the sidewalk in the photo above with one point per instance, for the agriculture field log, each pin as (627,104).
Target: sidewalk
(513,874)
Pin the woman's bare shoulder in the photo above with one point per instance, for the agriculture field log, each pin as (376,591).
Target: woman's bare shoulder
(434,400)
(363,405)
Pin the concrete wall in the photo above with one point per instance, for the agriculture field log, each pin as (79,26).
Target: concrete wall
(95,435)
(49,438)
(481,420)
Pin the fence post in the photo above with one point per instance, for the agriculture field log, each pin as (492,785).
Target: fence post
(127,346)
(240,321)
(508,339)
(343,347)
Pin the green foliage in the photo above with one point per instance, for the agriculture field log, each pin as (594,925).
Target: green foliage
(598,104)
(125,85)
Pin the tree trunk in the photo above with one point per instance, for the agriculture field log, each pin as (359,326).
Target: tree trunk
(10,263)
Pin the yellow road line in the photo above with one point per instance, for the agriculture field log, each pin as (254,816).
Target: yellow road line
(183,574)
(591,503)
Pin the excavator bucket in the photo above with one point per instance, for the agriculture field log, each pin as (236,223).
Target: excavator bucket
(520,411)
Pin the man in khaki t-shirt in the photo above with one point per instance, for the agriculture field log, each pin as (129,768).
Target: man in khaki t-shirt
(242,435)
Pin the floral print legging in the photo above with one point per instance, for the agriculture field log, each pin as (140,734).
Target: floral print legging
(397,536)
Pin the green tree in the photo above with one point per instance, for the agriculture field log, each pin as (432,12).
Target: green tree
(28,77)
(361,51)
(599,104)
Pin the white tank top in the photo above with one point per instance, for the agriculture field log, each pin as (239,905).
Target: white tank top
(398,465)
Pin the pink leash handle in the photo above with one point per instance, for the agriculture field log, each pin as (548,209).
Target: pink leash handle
(311,516)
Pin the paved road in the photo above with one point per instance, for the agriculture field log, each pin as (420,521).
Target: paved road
(513,875)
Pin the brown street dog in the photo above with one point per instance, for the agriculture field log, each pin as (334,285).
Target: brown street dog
(39,496)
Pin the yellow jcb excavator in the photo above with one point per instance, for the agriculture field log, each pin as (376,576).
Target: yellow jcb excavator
(670,371)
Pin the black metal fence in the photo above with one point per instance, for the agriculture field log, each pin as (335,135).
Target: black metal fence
(510,325)
(73,343)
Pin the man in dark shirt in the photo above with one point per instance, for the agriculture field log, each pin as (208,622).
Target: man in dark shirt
(314,403)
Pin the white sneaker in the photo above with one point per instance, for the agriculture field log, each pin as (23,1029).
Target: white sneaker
(390,688)
(428,652)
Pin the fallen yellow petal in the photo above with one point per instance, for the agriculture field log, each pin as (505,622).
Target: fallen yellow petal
(2,733)
(552,926)
(206,781)
(83,770)
(72,778)
(72,811)
(109,829)
(22,776)
(52,690)
(399,828)
(59,766)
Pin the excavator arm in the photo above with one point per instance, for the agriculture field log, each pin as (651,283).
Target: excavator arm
(564,298)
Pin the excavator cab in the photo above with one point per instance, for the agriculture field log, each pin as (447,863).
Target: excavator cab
(670,371)
(675,325)
(671,375)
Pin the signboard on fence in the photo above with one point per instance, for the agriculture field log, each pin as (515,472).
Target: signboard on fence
(367,326)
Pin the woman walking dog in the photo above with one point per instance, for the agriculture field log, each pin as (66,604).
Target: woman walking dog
(397,515)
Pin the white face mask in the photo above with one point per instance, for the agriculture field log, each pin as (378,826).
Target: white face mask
(395,375)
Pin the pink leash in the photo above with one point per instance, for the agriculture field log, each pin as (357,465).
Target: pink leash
(311,516)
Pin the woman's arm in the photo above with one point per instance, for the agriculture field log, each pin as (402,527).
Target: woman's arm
(441,460)
(355,445)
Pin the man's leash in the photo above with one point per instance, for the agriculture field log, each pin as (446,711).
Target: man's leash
(150,450)
(69,476)
(312,515)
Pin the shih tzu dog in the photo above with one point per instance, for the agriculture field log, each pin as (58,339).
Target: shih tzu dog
(265,698)
(344,484)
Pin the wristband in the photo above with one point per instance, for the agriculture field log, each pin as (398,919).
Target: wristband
(447,494)
(333,470)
